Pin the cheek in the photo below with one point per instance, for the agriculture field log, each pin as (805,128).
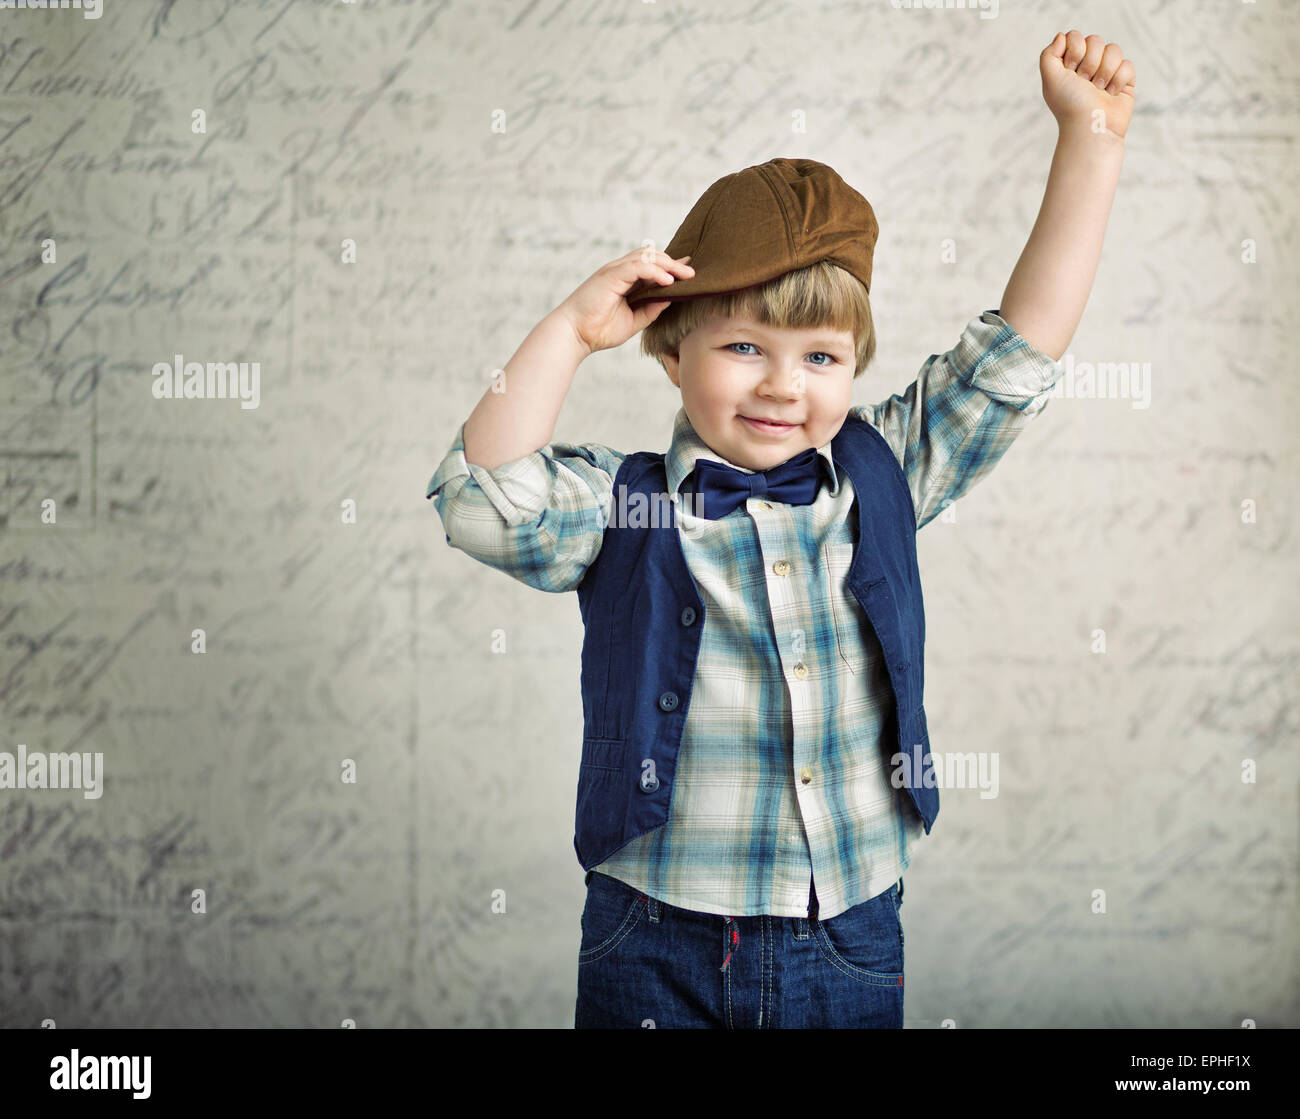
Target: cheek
(831,404)
(711,392)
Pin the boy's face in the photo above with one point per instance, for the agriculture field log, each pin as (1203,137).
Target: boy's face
(735,371)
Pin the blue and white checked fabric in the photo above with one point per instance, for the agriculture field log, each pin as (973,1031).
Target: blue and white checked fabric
(747,832)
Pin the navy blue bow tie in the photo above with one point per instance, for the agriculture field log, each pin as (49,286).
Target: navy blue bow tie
(722,488)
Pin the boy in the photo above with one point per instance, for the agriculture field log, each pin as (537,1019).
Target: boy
(755,757)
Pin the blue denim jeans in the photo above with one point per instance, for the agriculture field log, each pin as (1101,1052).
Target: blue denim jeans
(645,963)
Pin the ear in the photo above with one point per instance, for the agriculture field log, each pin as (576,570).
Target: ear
(672,366)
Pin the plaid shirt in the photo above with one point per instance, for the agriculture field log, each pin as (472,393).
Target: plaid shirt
(745,834)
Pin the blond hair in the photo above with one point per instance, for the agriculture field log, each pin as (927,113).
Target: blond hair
(820,295)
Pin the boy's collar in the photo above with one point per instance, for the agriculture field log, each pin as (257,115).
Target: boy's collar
(687,446)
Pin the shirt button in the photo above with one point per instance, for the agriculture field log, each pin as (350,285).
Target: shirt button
(781,567)
(801,670)
(765,505)
(668,701)
(688,616)
(805,775)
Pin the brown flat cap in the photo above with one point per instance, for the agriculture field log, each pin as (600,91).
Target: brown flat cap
(753,225)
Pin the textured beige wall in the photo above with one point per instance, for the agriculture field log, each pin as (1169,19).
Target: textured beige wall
(371,641)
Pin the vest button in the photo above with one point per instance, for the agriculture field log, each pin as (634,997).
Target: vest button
(805,775)
(688,616)
(668,701)
(648,786)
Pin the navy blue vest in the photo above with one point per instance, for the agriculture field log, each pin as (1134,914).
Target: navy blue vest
(643,618)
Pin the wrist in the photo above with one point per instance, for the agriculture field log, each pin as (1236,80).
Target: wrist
(1081,129)
(566,323)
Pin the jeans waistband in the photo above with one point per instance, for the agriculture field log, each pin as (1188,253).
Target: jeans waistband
(812,893)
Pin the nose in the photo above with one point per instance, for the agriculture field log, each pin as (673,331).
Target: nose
(783,383)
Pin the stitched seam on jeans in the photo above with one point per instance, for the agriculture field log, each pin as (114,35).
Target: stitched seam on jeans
(615,938)
(769,952)
(726,978)
(875,978)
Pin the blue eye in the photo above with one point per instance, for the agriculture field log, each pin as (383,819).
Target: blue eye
(830,358)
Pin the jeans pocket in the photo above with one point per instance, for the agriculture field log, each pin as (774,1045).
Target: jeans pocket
(611,912)
(867,940)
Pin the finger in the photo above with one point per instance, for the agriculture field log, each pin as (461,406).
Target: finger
(1056,48)
(647,312)
(1124,78)
(629,270)
(650,253)
(1091,57)
(672,267)
(673,262)
(1075,48)
(646,252)
(1111,57)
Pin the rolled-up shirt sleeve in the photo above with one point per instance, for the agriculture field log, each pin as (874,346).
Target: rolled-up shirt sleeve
(540,518)
(964,409)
